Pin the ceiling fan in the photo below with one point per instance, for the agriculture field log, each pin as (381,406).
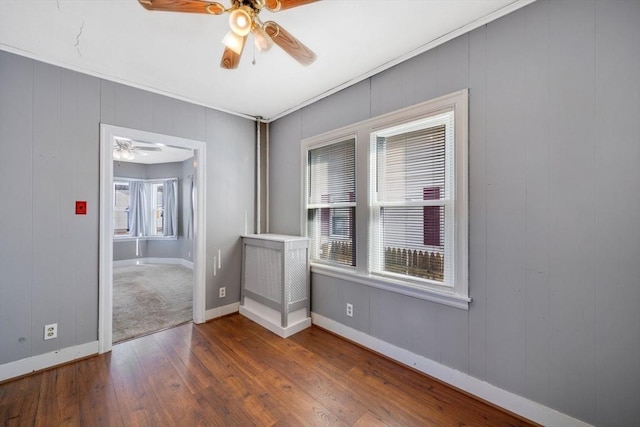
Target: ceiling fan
(124,149)
(243,19)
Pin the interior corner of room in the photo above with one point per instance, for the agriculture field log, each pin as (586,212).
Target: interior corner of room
(548,327)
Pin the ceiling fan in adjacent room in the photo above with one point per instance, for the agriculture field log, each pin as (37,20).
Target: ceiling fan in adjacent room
(244,20)
(124,149)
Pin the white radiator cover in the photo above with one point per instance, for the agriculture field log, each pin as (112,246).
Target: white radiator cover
(263,272)
(275,282)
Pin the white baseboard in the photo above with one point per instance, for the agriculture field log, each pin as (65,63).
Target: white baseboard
(221,311)
(185,263)
(47,360)
(482,389)
(271,319)
(138,261)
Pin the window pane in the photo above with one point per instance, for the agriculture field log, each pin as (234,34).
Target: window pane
(406,234)
(121,196)
(158,211)
(413,181)
(410,162)
(121,209)
(331,172)
(331,176)
(332,232)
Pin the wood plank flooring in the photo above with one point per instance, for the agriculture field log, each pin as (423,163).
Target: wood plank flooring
(232,372)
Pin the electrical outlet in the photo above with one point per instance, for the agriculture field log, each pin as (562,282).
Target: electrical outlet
(223,292)
(51,331)
(349,310)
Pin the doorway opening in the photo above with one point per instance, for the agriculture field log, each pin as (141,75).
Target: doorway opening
(152,238)
(152,206)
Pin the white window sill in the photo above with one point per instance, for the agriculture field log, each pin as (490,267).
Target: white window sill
(131,239)
(397,286)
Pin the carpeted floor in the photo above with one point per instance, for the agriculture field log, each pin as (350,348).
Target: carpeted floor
(150,297)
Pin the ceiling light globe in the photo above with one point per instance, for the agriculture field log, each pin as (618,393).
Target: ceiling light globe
(240,21)
(234,42)
(262,40)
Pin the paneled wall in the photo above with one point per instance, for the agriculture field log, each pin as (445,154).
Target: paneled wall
(49,158)
(230,200)
(230,148)
(554,206)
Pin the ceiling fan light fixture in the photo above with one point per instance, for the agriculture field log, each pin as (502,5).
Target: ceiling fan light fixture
(261,38)
(234,42)
(122,154)
(240,21)
(244,19)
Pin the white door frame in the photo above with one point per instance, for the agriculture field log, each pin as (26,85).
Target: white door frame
(107,133)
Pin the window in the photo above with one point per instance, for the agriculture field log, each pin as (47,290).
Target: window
(120,208)
(412,180)
(331,202)
(145,208)
(413,236)
(157,209)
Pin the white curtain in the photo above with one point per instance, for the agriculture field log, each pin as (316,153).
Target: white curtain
(138,215)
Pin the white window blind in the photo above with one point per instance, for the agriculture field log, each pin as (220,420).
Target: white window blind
(413,201)
(120,208)
(331,202)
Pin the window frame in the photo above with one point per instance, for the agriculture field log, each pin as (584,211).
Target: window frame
(448,201)
(455,295)
(307,205)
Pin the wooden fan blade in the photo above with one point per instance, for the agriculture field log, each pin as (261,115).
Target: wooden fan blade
(276,5)
(190,6)
(289,44)
(230,59)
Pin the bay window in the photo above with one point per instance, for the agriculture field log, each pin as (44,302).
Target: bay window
(145,208)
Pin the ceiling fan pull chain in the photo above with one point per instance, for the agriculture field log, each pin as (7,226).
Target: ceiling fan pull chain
(254,54)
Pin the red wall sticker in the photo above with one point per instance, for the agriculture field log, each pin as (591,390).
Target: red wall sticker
(81,207)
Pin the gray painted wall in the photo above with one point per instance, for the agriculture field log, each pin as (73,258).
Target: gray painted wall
(129,170)
(123,250)
(554,206)
(48,255)
(49,158)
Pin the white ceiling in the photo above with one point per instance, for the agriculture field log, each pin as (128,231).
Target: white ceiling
(166,154)
(178,54)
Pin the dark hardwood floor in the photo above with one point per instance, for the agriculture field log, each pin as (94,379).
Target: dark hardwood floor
(232,372)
